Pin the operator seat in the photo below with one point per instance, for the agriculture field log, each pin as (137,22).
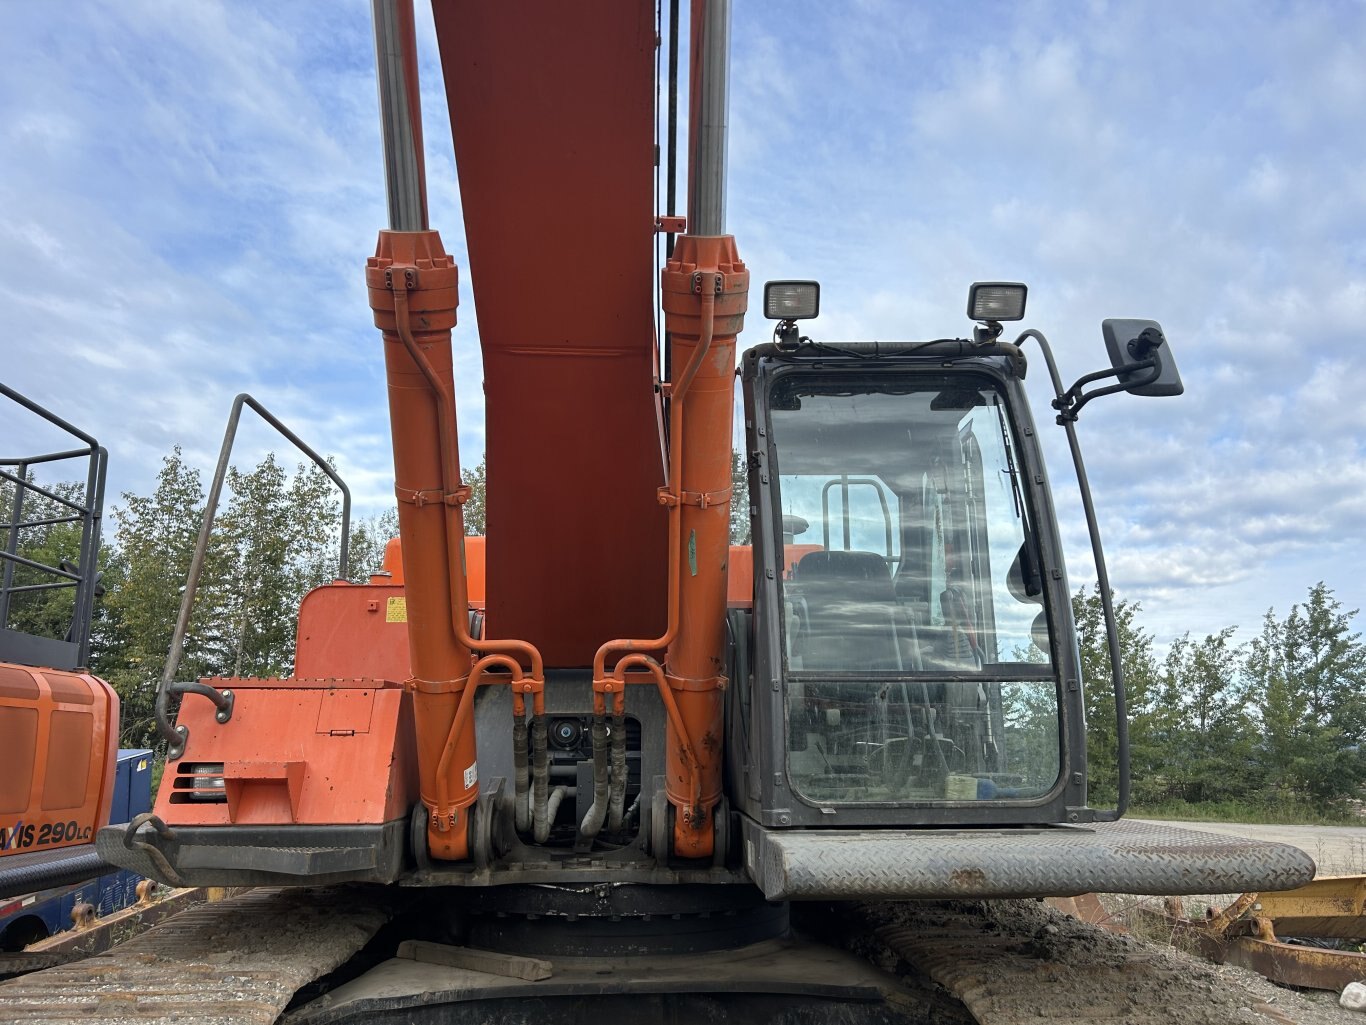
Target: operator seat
(851,613)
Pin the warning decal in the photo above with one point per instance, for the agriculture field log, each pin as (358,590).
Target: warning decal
(396,611)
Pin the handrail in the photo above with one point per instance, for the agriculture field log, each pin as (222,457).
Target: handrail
(84,578)
(846,482)
(56,571)
(201,546)
(50,457)
(51,496)
(50,417)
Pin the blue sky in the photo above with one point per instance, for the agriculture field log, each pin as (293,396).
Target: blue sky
(189,191)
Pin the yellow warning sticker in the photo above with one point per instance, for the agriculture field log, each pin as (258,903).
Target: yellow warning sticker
(397,611)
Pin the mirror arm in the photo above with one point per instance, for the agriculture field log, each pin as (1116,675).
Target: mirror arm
(1102,586)
(1070,402)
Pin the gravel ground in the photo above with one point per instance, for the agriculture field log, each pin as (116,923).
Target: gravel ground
(1080,973)
(1273,1002)
(1337,850)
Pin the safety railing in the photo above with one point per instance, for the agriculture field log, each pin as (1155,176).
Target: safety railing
(175,736)
(73,649)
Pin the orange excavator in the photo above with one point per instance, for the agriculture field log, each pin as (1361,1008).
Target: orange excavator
(629,719)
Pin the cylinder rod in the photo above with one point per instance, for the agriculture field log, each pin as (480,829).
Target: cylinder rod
(709,87)
(400,111)
(671,186)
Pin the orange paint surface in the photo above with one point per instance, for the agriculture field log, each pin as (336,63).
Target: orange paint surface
(555,153)
(295,751)
(705,293)
(353,631)
(58,743)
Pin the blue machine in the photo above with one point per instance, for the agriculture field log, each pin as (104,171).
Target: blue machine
(28,918)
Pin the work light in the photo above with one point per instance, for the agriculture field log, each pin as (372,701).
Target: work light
(996,301)
(792,300)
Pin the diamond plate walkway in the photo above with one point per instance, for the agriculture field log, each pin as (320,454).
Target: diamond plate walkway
(1058,861)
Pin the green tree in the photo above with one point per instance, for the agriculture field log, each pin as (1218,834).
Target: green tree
(1307,674)
(1141,696)
(276,540)
(152,542)
(476,480)
(1205,731)
(739,500)
(369,536)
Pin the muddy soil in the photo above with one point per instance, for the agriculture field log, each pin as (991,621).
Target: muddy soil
(1173,989)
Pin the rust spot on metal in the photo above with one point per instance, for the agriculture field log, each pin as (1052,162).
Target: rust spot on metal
(968,878)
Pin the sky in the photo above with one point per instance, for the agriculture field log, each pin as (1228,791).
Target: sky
(188,192)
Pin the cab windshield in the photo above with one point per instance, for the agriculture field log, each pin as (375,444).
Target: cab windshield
(915,637)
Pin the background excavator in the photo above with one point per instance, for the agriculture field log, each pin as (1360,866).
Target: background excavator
(62,774)
(603,729)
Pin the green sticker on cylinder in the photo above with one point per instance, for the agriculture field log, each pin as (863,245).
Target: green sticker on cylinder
(692,551)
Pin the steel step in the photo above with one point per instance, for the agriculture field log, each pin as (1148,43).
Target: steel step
(1051,861)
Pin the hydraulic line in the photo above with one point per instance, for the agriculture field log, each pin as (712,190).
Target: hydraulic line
(521,773)
(502,652)
(678,395)
(597,811)
(412,284)
(616,801)
(540,774)
(696,329)
(616,804)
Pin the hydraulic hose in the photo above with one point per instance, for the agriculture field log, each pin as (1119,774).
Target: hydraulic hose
(616,804)
(553,806)
(597,811)
(521,773)
(540,775)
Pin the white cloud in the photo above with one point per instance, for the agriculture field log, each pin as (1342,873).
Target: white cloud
(190,196)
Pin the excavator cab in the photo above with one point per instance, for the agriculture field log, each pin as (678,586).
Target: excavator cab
(919,666)
(907,714)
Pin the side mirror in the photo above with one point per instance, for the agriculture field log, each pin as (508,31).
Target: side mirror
(1137,341)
